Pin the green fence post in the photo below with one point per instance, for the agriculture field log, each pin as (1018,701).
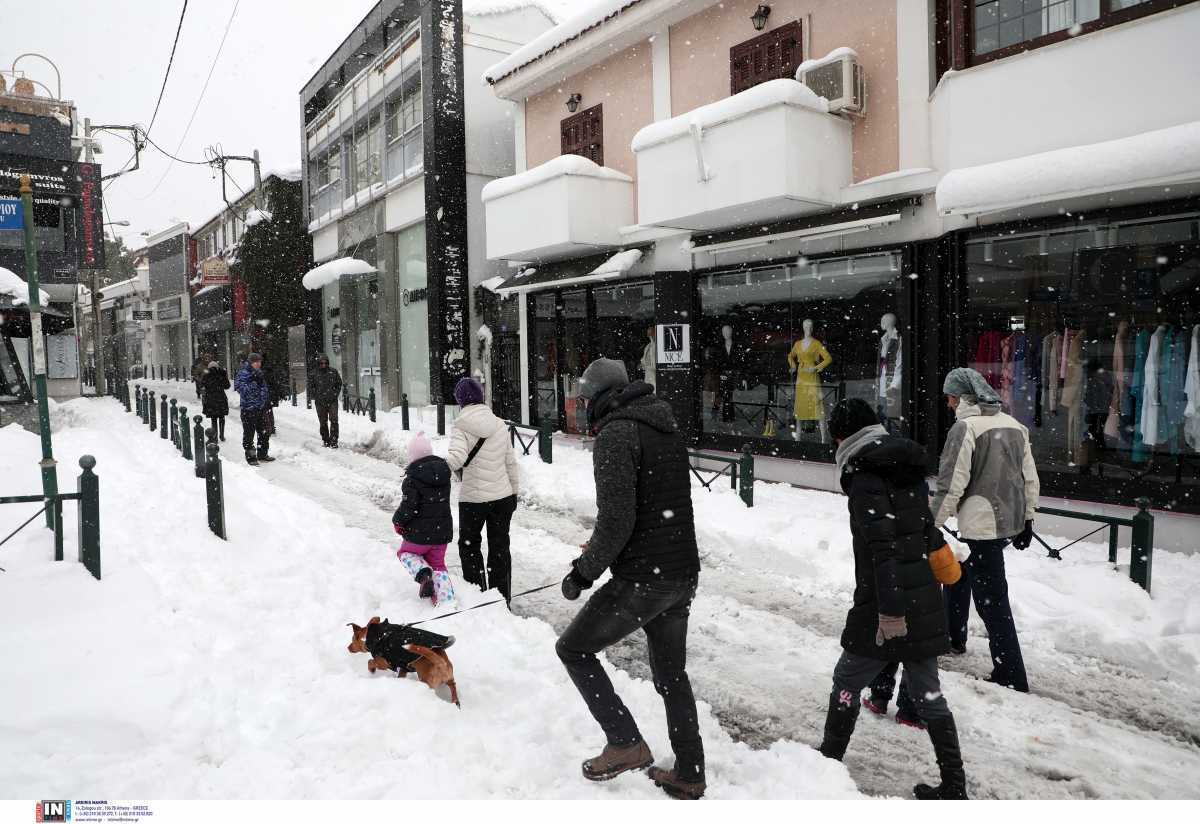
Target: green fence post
(214,487)
(371,404)
(54,512)
(293,392)
(166,426)
(404,412)
(441,418)
(198,444)
(546,441)
(1112,543)
(1142,546)
(185,437)
(746,476)
(89,516)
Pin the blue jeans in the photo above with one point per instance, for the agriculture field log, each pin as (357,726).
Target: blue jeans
(617,609)
(983,576)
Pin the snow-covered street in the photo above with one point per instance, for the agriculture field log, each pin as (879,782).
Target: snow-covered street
(197,662)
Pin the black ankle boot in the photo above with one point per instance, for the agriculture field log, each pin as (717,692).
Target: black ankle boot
(839,724)
(944,736)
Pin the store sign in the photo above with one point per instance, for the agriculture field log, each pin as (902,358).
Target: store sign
(170,309)
(143,314)
(414,296)
(91,217)
(11,214)
(62,356)
(214,272)
(674,344)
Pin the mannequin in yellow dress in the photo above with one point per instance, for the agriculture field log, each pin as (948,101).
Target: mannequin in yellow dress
(806,361)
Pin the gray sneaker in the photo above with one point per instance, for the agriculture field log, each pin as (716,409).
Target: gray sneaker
(616,760)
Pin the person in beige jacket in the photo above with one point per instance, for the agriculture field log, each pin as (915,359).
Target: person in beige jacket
(482,457)
(989,482)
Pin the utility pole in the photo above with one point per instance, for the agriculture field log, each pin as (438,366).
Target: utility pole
(97,333)
(219,160)
(38,344)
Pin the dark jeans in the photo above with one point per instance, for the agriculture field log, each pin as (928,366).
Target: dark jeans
(983,576)
(496,516)
(254,423)
(853,672)
(616,610)
(218,425)
(327,416)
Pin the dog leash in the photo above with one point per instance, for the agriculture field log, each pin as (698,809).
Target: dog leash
(481,606)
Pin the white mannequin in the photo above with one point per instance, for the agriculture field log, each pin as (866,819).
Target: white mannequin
(727,334)
(650,358)
(889,339)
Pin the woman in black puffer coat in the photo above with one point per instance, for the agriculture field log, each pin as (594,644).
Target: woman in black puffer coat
(898,613)
(213,384)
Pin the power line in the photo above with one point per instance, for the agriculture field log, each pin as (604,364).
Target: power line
(170,61)
(173,157)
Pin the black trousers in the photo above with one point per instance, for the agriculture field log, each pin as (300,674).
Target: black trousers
(218,425)
(327,416)
(254,423)
(983,577)
(496,516)
(616,610)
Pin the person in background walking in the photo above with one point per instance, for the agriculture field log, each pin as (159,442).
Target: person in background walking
(897,614)
(645,533)
(324,387)
(199,370)
(989,481)
(424,521)
(251,385)
(212,392)
(482,456)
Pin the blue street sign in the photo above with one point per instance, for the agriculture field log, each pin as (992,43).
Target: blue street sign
(11,215)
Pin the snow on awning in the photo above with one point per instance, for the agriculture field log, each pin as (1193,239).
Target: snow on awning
(619,263)
(17,288)
(577,272)
(330,272)
(1159,158)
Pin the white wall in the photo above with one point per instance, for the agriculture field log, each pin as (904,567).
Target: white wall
(1113,83)
(913,50)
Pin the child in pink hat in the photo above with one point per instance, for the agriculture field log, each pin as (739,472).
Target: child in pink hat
(424,520)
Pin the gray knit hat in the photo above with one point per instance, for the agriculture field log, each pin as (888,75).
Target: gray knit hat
(964,381)
(602,374)
(254,357)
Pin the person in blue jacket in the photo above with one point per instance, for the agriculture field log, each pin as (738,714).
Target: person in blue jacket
(251,385)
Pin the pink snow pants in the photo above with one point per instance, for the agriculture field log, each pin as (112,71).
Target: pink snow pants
(434,555)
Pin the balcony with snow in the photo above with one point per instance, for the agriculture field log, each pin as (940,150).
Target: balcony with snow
(567,207)
(770,152)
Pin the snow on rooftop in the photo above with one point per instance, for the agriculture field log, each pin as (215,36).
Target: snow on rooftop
(556,10)
(589,15)
(620,262)
(330,272)
(1152,158)
(772,93)
(567,164)
(17,288)
(256,216)
(292,175)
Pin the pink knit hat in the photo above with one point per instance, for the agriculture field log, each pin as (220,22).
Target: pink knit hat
(419,447)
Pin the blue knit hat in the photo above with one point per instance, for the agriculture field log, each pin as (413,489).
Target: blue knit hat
(468,391)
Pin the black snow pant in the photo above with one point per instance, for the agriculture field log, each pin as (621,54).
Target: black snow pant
(327,416)
(983,577)
(254,423)
(616,610)
(884,686)
(218,426)
(496,516)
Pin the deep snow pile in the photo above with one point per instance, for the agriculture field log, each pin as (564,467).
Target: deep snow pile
(200,668)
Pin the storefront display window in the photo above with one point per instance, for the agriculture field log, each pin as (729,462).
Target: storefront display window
(414,315)
(1089,332)
(778,346)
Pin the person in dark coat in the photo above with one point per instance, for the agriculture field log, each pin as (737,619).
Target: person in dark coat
(199,369)
(324,387)
(213,384)
(251,386)
(424,520)
(645,533)
(898,613)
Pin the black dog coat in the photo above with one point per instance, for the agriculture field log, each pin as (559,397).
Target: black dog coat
(388,641)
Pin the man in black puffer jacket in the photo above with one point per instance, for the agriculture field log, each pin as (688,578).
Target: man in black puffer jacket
(645,533)
(898,612)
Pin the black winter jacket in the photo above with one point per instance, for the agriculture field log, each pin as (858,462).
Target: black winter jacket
(424,512)
(645,528)
(893,531)
(324,385)
(212,389)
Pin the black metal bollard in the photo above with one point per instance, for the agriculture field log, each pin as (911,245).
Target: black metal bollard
(1141,546)
(163,430)
(153,420)
(137,394)
(546,442)
(441,418)
(293,391)
(198,444)
(89,516)
(345,399)
(174,424)
(185,437)
(371,405)
(214,487)
(404,412)
(746,476)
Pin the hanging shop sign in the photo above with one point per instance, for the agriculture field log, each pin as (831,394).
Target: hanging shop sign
(11,214)
(214,272)
(674,344)
(91,217)
(62,356)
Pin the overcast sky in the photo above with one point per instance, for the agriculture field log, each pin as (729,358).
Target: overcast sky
(112,55)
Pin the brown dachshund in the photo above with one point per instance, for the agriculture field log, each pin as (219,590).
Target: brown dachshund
(406,649)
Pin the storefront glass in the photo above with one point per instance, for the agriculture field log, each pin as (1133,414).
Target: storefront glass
(414,314)
(1089,332)
(778,346)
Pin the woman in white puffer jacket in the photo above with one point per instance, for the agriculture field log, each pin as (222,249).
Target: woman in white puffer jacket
(487,495)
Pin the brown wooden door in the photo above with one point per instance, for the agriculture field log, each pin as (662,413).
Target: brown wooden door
(771,56)
(583,134)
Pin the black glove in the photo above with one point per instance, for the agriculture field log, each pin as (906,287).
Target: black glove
(574,584)
(1024,538)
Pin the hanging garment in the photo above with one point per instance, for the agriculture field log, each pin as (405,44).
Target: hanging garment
(1112,425)
(890,371)
(1137,392)
(809,361)
(989,359)
(1050,348)
(1191,412)
(1174,393)
(1072,391)
(1151,398)
(1006,372)
(1068,336)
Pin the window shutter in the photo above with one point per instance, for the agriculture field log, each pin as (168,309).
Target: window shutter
(583,134)
(771,56)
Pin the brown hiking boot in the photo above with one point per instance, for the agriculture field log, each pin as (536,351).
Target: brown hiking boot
(616,760)
(675,786)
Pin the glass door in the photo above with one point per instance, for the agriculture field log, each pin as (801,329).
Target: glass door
(573,310)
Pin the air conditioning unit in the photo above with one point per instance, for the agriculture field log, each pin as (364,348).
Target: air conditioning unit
(839,79)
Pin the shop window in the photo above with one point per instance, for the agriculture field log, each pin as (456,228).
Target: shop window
(583,134)
(624,328)
(1088,334)
(779,346)
(545,356)
(771,56)
(414,314)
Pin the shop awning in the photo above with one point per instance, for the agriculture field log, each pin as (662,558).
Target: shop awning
(578,272)
(1165,159)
